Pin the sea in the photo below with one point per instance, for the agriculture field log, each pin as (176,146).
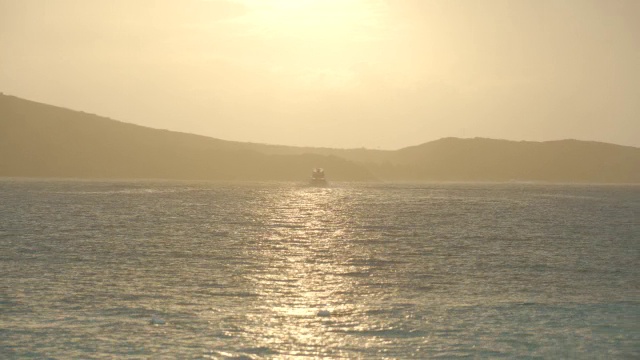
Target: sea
(283,270)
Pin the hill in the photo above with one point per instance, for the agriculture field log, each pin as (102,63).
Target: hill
(481,159)
(38,140)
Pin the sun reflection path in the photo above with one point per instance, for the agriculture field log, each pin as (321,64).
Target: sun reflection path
(304,256)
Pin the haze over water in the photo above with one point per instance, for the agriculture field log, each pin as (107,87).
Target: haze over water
(282,270)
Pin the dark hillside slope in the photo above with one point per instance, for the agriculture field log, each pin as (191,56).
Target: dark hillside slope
(502,160)
(38,140)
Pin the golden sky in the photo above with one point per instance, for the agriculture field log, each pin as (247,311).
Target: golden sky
(337,73)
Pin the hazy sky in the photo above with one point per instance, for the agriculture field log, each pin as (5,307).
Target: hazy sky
(338,73)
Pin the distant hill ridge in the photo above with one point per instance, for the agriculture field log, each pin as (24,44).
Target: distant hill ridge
(39,140)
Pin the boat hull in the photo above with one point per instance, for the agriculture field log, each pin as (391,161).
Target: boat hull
(318,182)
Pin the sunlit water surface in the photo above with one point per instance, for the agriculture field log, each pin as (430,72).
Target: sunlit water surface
(282,270)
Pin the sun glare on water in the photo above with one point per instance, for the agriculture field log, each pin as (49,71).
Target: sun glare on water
(304,282)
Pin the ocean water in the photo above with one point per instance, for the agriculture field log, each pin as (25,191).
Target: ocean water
(282,270)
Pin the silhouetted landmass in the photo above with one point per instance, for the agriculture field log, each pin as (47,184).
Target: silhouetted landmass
(38,140)
(479,159)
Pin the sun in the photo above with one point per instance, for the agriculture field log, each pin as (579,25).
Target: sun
(310,44)
(329,20)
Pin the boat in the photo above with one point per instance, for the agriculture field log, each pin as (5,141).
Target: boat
(317,177)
